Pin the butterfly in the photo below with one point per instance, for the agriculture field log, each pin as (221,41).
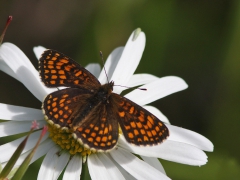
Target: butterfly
(92,112)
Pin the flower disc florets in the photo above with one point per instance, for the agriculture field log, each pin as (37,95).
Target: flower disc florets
(66,141)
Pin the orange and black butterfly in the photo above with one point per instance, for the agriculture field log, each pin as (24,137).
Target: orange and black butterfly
(91,111)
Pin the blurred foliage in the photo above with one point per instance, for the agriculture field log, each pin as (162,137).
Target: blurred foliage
(196,40)
(220,167)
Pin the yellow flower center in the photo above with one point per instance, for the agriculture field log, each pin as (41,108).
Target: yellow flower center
(65,140)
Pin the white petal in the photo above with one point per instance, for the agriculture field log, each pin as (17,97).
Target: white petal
(113,171)
(24,70)
(140,79)
(157,113)
(96,168)
(189,137)
(94,68)
(129,61)
(16,113)
(74,168)
(38,50)
(169,150)
(60,164)
(136,167)
(5,68)
(110,65)
(46,171)
(7,150)
(13,127)
(154,162)
(157,89)
(43,148)
(126,174)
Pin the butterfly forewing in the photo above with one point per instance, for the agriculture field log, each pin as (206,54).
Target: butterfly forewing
(138,125)
(56,70)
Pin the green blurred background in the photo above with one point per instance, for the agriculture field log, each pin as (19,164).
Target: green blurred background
(196,40)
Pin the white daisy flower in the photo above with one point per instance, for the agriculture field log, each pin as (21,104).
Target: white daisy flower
(182,146)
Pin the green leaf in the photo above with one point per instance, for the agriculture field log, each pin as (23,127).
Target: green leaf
(7,169)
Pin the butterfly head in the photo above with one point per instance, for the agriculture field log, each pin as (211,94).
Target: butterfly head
(106,89)
(110,85)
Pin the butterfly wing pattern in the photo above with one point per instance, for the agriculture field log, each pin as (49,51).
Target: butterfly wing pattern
(91,111)
(138,125)
(59,106)
(100,129)
(56,70)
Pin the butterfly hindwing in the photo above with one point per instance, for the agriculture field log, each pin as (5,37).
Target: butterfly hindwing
(56,70)
(61,107)
(99,130)
(138,125)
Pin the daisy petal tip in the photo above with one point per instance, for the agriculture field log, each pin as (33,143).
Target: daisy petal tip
(136,33)
(38,50)
(201,162)
(182,82)
(179,82)
(9,45)
(207,145)
(210,146)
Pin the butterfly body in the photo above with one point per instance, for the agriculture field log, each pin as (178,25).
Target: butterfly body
(98,98)
(91,111)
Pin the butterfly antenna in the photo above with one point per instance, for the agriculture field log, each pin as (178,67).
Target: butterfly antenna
(101,54)
(143,89)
